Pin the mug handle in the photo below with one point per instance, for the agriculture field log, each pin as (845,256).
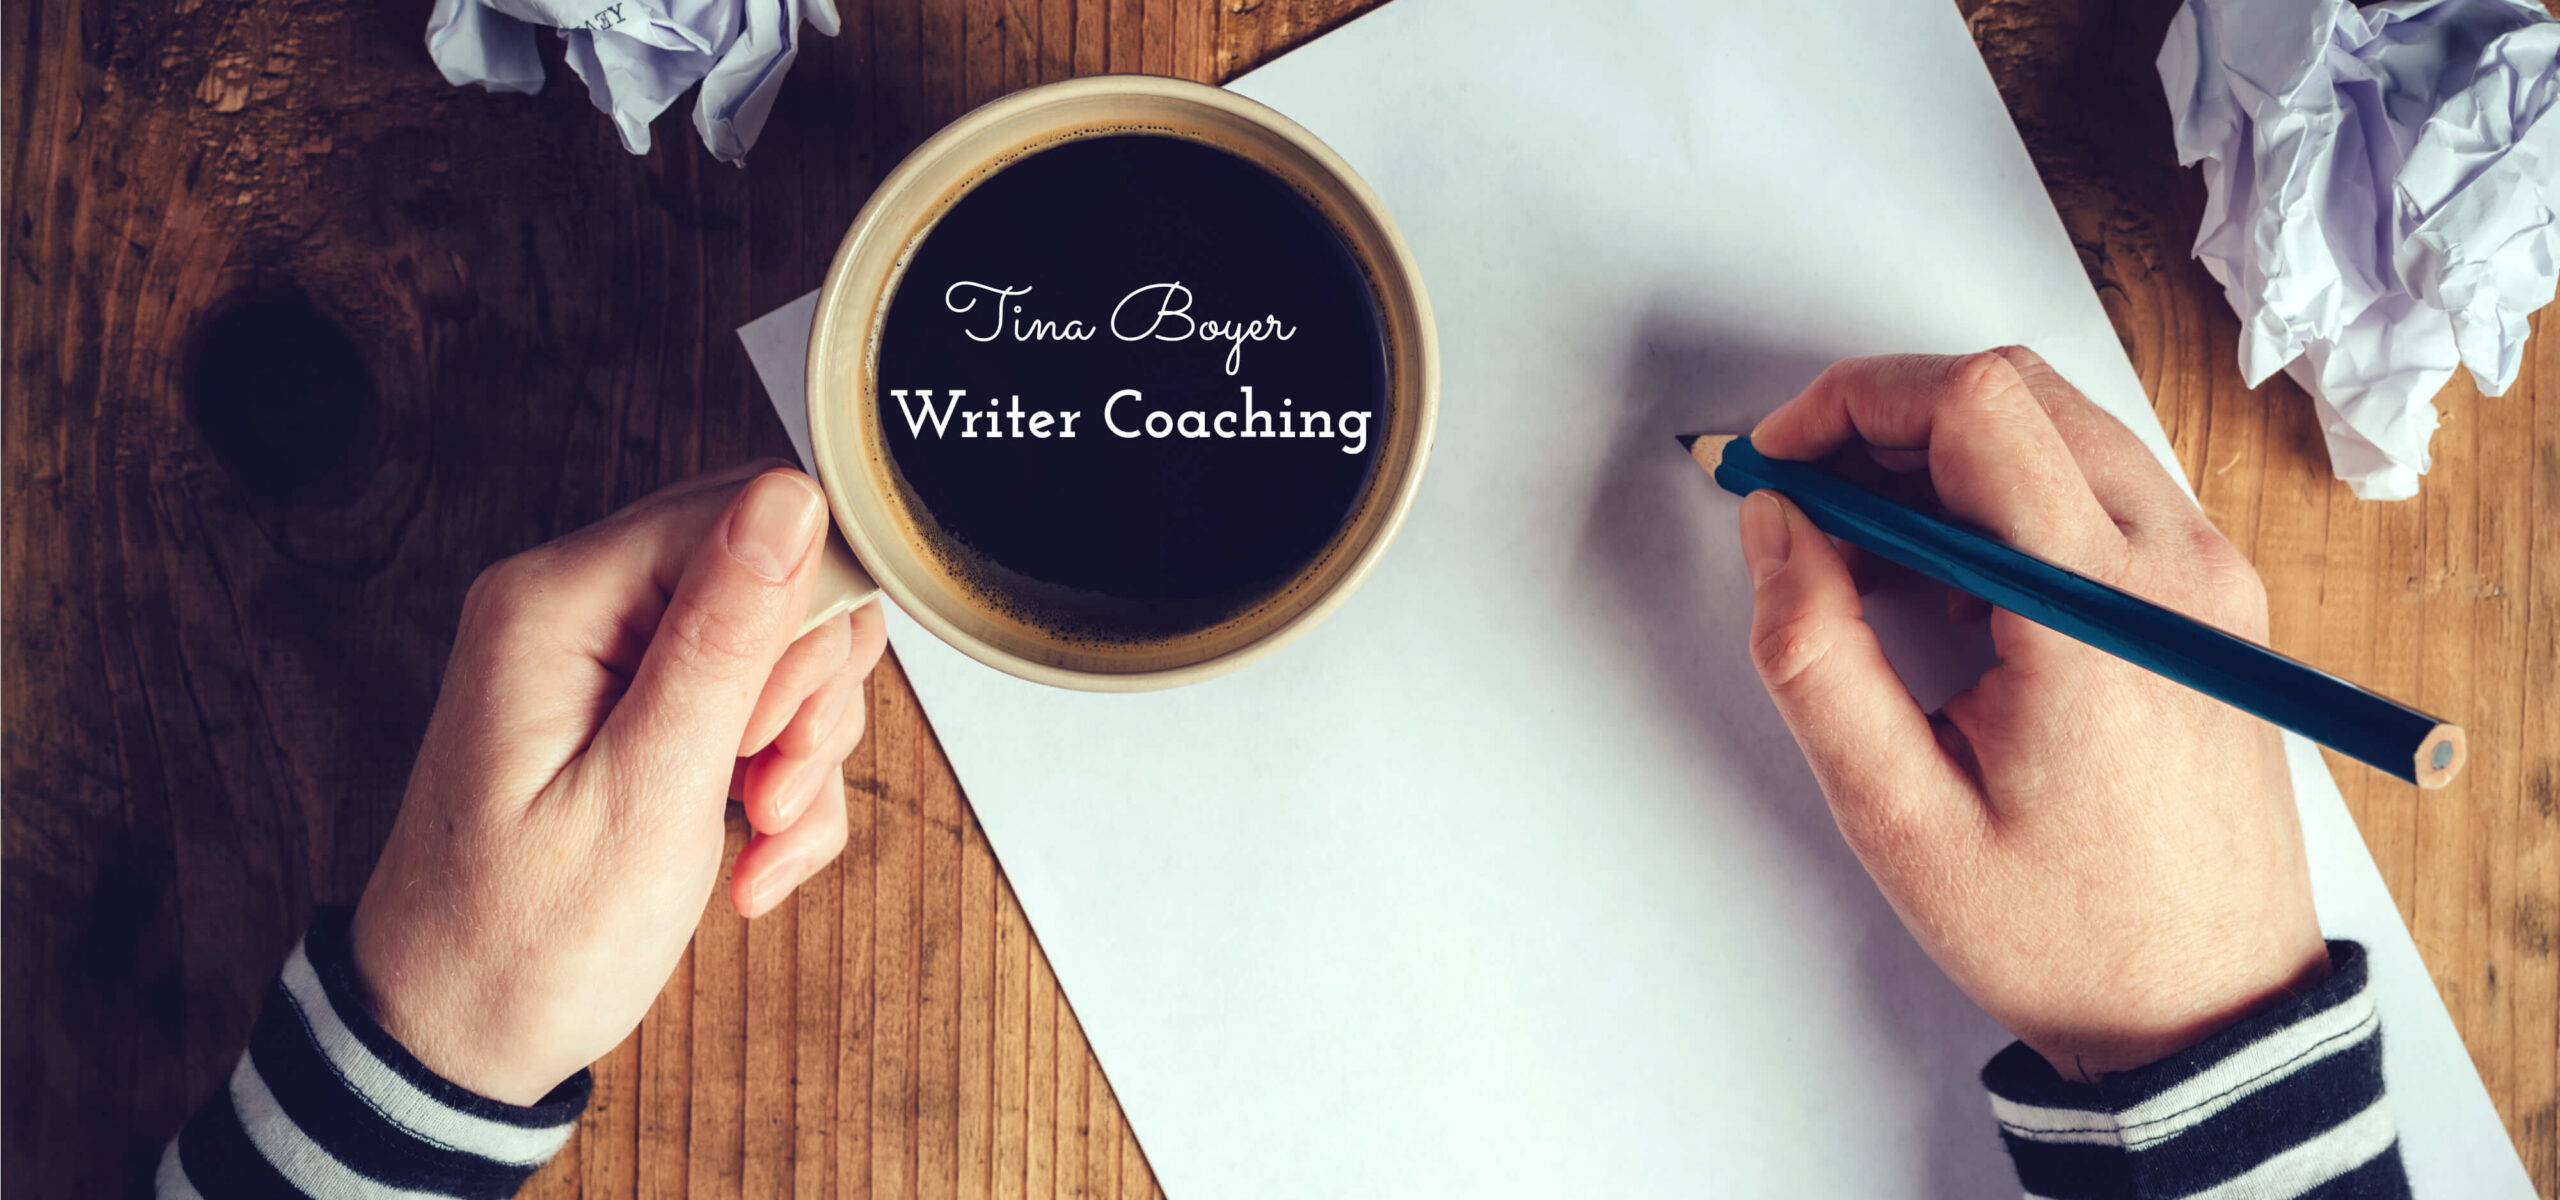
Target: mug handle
(843,585)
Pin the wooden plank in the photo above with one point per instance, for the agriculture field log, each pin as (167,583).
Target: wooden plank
(1102,1146)
(1195,41)
(976,1106)
(2230,453)
(897,915)
(2493,592)
(1092,37)
(769,1103)
(2344,642)
(1125,39)
(1252,32)
(857,1048)
(1109,1132)
(2292,532)
(1137,1180)
(1013,953)
(984,64)
(2396,536)
(841,1080)
(609,1138)
(2534,1040)
(1043,1101)
(2447,916)
(1075,1111)
(943,61)
(817,1024)
(1057,50)
(666,1093)
(715,1149)
(1155,37)
(938,1027)
(1020,43)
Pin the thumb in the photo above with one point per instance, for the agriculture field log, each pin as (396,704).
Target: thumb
(734,612)
(1870,745)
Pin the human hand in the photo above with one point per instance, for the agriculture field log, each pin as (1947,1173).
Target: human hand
(2107,862)
(565,821)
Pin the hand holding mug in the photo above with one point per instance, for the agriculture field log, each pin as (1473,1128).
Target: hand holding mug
(565,821)
(2109,863)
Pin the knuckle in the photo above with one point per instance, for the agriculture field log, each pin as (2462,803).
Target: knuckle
(2024,359)
(2034,373)
(1787,649)
(505,591)
(702,639)
(1983,380)
(2106,559)
(2225,583)
(1832,376)
(498,577)
(2240,600)
(830,643)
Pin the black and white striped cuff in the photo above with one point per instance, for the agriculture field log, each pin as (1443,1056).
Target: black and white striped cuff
(325,1103)
(2288,1103)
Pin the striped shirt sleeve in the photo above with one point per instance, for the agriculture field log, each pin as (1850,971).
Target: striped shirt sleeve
(2286,1104)
(325,1103)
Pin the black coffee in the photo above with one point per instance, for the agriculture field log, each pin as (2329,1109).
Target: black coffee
(1136,384)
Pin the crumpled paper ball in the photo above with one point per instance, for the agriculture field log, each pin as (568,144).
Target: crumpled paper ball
(2382,184)
(637,56)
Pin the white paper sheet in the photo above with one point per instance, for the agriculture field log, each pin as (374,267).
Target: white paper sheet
(1506,880)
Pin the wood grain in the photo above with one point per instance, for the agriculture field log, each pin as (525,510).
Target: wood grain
(219,658)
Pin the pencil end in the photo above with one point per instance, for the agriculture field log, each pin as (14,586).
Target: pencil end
(1707,448)
(2441,756)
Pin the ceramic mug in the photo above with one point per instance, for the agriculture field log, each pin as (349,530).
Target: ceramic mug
(847,436)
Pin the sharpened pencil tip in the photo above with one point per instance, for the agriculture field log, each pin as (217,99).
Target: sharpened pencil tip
(1706,448)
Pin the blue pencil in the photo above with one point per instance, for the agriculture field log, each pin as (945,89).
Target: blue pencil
(2243,674)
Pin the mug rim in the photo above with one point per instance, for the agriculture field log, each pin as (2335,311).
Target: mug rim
(843,294)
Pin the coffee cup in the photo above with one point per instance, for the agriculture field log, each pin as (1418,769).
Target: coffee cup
(1118,495)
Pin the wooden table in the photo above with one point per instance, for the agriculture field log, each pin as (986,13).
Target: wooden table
(225,626)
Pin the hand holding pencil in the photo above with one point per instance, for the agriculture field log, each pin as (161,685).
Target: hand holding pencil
(2107,861)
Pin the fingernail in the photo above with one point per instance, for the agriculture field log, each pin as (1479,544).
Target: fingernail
(775,521)
(804,788)
(774,883)
(1764,535)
